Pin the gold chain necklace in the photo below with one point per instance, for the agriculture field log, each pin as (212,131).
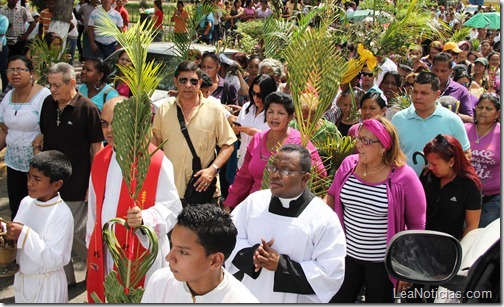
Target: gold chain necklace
(373,172)
(478,139)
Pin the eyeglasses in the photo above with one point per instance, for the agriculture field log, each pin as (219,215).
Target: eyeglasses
(466,84)
(283,172)
(17,70)
(105,124)
(256,94)
(464,48)
(184,81)
(366,142)
(441,144)
(56,85)
(367,74)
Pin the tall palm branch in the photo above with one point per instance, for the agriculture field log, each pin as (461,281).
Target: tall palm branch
(132,132)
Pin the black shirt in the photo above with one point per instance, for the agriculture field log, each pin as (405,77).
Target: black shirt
(446,207)
(78,127)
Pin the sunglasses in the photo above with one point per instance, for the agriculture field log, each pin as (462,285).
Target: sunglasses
(184,81)
(367,74)
(441,144)
(256,94)
(464,48)
(466,84)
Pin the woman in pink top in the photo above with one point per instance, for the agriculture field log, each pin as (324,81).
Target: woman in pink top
(279,112)
(484,135)
(248,11)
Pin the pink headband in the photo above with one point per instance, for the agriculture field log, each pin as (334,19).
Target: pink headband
(379,130)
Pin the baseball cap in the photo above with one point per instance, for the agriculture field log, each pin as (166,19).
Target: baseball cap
(35,14)
(451,46)
(482,60)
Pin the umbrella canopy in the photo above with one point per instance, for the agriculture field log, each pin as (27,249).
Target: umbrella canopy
(359,15)
(489,20)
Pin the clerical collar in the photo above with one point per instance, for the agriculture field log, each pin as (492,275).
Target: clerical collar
(290,207)
(286,201)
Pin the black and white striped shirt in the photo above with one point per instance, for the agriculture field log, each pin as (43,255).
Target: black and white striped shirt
(365,216)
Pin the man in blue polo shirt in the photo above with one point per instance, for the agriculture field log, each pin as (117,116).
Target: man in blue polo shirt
(425,118)
(442,67)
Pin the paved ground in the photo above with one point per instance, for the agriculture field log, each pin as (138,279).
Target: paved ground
(77,294)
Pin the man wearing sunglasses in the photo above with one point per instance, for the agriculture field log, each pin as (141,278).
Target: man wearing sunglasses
(425,118)
(207,127)
(290,246)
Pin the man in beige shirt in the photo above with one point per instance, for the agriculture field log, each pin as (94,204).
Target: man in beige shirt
(207,127)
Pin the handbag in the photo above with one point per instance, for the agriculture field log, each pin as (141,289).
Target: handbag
(191,196)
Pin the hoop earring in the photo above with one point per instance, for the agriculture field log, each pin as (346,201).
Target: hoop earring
(97,88)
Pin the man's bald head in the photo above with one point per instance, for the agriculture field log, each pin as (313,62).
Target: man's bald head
(107,116)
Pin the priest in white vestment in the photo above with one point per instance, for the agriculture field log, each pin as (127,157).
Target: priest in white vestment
(290,247)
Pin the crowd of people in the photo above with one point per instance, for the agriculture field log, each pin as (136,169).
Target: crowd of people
(228,195)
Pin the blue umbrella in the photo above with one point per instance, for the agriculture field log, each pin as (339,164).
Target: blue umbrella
(490,20)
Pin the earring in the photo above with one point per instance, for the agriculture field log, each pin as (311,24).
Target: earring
(97,88)
(451,165)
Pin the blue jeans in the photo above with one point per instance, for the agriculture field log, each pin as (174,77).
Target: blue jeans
(490,211)
(72,45)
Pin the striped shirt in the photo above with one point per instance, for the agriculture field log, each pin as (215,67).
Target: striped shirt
(365,217)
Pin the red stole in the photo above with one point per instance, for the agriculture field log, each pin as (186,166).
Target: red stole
(96,252)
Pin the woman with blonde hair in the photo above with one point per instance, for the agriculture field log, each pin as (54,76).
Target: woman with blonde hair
(375,195)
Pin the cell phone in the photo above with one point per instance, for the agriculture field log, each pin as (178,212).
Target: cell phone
(237,124)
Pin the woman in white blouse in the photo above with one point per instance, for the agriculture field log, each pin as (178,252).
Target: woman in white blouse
(251,118)
(19,122)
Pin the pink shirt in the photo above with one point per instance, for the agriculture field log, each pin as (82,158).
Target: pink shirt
(249,176)
(486,158)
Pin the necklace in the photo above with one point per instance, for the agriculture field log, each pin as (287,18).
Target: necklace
(373,172)
(479,138)
(58,115)
(20,102)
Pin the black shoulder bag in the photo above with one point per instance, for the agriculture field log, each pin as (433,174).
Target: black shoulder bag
(191,196)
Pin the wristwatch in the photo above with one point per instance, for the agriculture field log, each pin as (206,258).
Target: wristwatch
(217,169)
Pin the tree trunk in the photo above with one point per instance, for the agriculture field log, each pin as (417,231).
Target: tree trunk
(62,16)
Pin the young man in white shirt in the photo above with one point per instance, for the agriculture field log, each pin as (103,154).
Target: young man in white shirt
(202,240)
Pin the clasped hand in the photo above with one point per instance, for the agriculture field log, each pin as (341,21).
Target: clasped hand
(266,257)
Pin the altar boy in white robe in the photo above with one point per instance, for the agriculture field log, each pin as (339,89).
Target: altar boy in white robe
(43,228)
(202,239)
(290,247)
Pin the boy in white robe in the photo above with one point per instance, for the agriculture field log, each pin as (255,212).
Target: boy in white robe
(291,247)
(43,228)
(202,239)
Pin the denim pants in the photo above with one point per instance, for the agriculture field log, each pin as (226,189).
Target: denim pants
(490,211)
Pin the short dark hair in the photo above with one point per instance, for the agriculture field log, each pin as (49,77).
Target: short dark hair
(280,98)
(443,57)
(427,77)
(206,80)
(53,164)
(100,66)
(494,99)
(397,77)
(27,61)
(376,96)
(213,226)
(305,162)
(186,66)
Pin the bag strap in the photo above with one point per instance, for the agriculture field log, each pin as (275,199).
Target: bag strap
(196,163)
(106,93)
